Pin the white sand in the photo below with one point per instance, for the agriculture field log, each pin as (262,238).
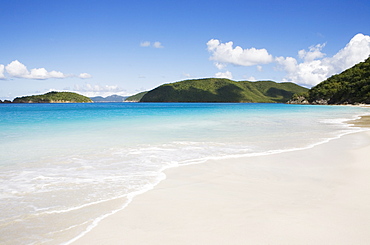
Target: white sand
(315,196)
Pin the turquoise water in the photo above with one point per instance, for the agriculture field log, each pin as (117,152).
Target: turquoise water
(64,167)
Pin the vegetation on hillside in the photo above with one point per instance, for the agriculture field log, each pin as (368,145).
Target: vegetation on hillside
(223,90)
(54,97)
(136,97)
(351,86)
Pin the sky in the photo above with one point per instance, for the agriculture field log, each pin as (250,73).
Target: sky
(100,48)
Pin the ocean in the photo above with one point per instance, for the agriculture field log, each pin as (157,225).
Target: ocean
(65,167)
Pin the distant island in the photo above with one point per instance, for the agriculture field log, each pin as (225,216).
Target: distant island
(5,102)
(220,90)
(54,97)
(111,98)
(352,86)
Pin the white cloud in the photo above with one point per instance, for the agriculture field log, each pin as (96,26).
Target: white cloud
(315,68)
(57,74)
(145,44)
(357,50)
(252,79)
(306,73)
(313,53)
(17,69)
(84,75)
(2,76)
(220,66)
(157,45)
(226,74)
(154,45)
(42,73)
(224,53)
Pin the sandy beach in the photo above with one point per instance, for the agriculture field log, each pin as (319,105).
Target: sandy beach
(319,195)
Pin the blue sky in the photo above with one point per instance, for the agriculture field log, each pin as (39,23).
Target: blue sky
(124,47)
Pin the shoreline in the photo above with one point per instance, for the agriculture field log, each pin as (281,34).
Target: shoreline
(362,122)
(223,201)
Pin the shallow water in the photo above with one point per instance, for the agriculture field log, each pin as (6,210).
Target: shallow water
(66,166)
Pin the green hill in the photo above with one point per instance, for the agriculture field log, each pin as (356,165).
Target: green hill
(351,86)
(136,97)
(223,90)
(54,97)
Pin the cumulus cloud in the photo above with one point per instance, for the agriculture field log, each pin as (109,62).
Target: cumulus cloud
(2,76)
(42,73)
(357,50)
(84,75)
(315,67)
(19,70)
(314,52)
(226,74)
(149,44)
(225,53)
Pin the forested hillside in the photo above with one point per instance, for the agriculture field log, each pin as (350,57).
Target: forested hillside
(351,86)
(222,90)
(54,97)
